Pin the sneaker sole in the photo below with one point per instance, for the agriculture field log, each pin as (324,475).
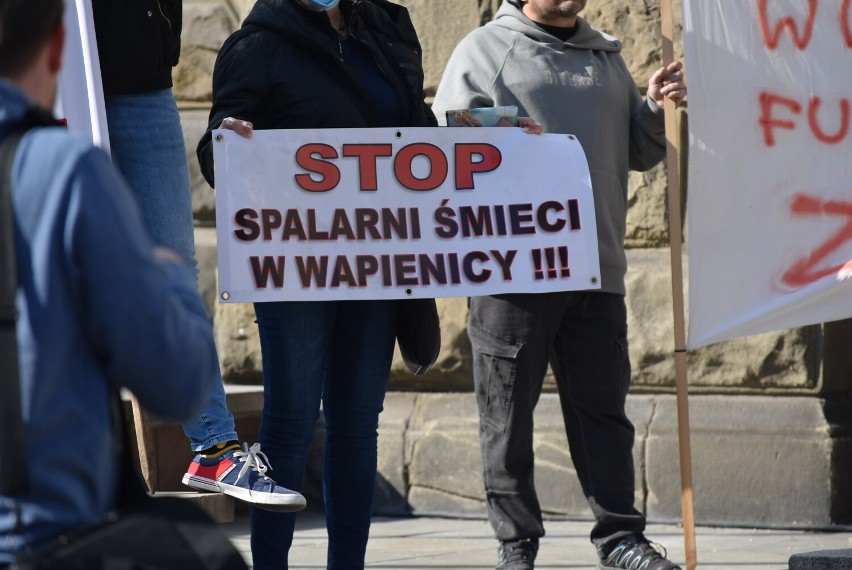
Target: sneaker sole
(602,567)
(202,483)
(267,501)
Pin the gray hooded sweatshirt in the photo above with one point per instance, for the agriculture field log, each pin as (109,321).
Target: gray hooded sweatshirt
(581,87)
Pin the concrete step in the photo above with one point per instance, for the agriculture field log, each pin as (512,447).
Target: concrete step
(822,560)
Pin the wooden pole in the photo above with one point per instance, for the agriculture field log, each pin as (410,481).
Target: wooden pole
(675,237)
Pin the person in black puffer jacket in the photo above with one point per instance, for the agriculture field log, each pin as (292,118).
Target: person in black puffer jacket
(138,44)
(305,64)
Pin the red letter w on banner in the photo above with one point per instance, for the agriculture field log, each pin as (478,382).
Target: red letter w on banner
(844,23)
(772,37)
(805,271)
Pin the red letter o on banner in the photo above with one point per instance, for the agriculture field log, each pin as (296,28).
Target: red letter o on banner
(437,160)
(330,174)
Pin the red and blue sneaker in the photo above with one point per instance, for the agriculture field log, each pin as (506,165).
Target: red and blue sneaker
(241,473)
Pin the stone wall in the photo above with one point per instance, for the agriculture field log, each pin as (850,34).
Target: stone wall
(757,461)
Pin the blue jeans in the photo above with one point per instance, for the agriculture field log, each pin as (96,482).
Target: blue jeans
(147,146)
(338,353)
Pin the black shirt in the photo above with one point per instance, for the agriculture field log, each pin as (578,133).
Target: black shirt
(563,34)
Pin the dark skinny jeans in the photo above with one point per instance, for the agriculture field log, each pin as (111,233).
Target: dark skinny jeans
(338,353)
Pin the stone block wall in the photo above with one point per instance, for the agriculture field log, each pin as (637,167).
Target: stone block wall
(757,461)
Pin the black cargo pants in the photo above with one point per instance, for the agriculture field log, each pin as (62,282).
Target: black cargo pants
(583,335)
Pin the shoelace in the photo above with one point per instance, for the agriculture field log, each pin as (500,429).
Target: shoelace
(636,556)
(521,551)
(253,459)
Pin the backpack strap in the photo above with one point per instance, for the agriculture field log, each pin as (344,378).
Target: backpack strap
(13,472)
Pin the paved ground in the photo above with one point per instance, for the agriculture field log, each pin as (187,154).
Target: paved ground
(405,543)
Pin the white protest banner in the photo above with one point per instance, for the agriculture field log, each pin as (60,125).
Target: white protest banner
(80,101)
(770,177)
(396,213)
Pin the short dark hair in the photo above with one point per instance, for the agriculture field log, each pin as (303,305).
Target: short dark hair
(25,26)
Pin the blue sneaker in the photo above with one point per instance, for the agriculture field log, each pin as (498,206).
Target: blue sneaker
(241,473)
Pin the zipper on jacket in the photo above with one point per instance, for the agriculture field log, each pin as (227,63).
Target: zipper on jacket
(163,14)
(402,96)
(345,68)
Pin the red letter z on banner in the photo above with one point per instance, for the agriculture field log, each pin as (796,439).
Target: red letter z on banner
(805,270)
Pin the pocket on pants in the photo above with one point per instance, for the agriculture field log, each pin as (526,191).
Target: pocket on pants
(496,364)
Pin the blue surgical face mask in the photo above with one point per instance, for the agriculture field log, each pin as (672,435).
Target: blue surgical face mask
(319,5)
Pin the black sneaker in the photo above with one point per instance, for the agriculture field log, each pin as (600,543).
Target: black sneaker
(636,553)
(517,554)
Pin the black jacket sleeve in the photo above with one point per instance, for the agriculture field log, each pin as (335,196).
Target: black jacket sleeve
(240,90)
